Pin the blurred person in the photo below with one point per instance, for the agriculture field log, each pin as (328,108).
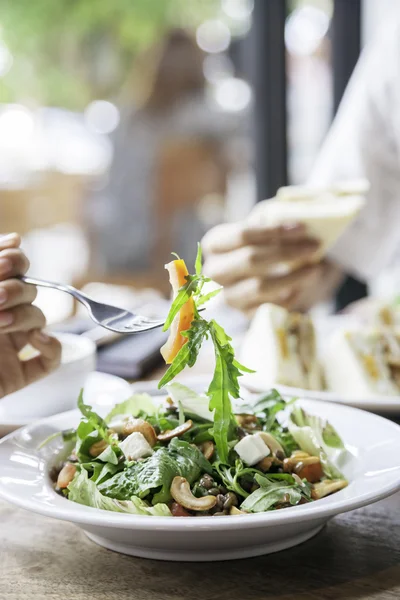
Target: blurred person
(363,142)
(123,214)
(21,323)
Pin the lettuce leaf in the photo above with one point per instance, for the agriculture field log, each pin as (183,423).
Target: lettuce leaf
(317,437)
(193,404)
(154,475)
(132,407)
(84,491)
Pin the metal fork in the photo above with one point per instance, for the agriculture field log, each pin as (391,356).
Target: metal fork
(110,317)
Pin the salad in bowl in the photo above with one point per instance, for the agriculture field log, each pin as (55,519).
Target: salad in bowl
(194,455)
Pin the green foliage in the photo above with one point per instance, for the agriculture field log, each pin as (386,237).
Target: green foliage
(68,52)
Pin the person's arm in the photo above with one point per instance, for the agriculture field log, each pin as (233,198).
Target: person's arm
(21,323)
(363,142)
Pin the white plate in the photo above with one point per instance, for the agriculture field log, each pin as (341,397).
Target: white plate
(325,326)
(100,389)
(372,468)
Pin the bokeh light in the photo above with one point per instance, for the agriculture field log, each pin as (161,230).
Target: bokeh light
(233,94)
(304,30)
(102,116)
(213,36)
(16,123)
(238,9)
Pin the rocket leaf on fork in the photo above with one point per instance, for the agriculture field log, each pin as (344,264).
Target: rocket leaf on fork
(224,384)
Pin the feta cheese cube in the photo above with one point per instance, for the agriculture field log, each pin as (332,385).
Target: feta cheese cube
(252,449)
(136,446)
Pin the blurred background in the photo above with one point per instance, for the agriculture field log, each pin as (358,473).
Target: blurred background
(127,129)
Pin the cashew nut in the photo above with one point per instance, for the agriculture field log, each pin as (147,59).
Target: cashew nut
(167,435)
(271,442)
(265,464)
(97,448)
(246,421)
(140,426)
(66,475)
(207,449)
(329,486)
(235,511)
(181,493)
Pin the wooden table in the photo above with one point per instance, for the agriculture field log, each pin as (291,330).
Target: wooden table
(356,556)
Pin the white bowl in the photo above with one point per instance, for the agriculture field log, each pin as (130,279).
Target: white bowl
(59,391)
(372,468)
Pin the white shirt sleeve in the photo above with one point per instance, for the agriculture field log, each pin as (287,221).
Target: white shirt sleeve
(364,142)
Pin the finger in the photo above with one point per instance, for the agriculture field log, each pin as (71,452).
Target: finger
(13,262)
(14,292)
(254,291)
(49,359)
(10,240)
(231,236)
(256,260)
(21,318)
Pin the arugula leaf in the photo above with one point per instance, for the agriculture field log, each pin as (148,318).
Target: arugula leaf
(189,352)
(68,435)
(270,494)
(132,407)
(85,491)
(230,476)
(183,295)
(206,297)
(224,385)
(93,418)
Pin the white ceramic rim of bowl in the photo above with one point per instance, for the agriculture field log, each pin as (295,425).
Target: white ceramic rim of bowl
(65,510)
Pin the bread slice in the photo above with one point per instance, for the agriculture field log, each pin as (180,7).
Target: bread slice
(281,348)
(326,213)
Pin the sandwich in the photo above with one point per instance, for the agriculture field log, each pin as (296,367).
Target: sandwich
(281,347)
(363,362)
(326,212)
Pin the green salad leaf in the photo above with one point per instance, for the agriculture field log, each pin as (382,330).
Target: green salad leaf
(196,405)
(267,408)
(317,437)
(85,491)
(154,475)
(93,419)
(269,494)
(99,472)
(224,385)
(189,352)
(138,403)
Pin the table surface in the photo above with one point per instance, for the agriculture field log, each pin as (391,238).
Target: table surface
(357,556)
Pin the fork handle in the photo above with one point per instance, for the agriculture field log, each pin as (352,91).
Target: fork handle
(69,289)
